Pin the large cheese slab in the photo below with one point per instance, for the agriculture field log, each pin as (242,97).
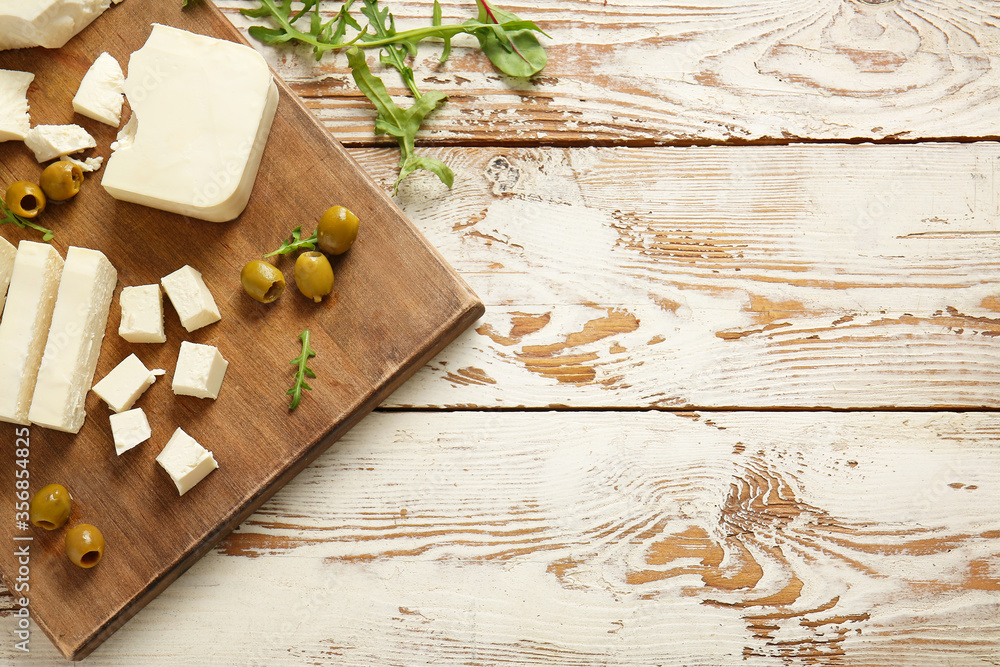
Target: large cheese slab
(202,109)
(396,304)
(7,252)
(24,328)
(74,342)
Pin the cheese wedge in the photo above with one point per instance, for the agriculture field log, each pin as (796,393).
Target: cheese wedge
(7,252)
(74,343)
(201,111)
(100,93)
(25,325)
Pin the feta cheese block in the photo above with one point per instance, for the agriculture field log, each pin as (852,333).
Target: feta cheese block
(186,461)
(191,298)
(48,23)
(24,328)
(100,93)
(74,343)
(199,371)
(203,109)
(48,142)
(14,119)
(142,314)
(128,429)
(126,383)
(7,252)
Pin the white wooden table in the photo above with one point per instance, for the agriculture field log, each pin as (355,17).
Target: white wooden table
(734,400)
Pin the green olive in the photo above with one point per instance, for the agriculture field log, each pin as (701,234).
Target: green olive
(50,507)
(61,180)
(337,230)
(314,275)
(25,199)
(262,281)
(84,545)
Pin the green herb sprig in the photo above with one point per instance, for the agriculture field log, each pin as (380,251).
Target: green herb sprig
(8,216)
(302,371)
(296,242)
(508,41)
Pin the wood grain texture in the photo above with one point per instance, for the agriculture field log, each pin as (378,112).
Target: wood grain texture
(788,276)
(641,73)
(396,304)
(652,538)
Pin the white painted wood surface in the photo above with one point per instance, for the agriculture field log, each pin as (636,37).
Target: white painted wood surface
(641,72)
(646,538)
(790,276)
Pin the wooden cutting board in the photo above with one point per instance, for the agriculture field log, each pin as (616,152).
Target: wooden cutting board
(396,303)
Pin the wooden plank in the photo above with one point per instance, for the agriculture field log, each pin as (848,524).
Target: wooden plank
(640,73)
(395,305)
(647,538)
(754,276)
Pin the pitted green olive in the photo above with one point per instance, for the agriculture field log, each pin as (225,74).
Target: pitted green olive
(314,275)
(84,545)
(50,507)
(25,199)
(61,180)
(337,230)
(262,281)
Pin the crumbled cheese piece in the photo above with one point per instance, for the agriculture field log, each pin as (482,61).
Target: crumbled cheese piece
(48,142)
(186,461)
(88,165)
(14,119)
(199,372)
(142,315)
(100,94)
(191,298)
(129,428)
(126,383)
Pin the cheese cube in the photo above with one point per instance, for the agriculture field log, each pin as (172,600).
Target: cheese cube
(100,93)
(25,325)
(14,119)
(7,252)
(74,343)
(142,314)
(126,383)
(199,371)
(191,299)
(184,88)
(129,429)
(185,461)
(48,142)
(48,23)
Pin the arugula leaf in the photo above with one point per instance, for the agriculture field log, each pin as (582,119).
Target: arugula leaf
(296,242)
(302,371)
(187,3)
(399,123)
(513,51)
(8,216)
(508,41)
